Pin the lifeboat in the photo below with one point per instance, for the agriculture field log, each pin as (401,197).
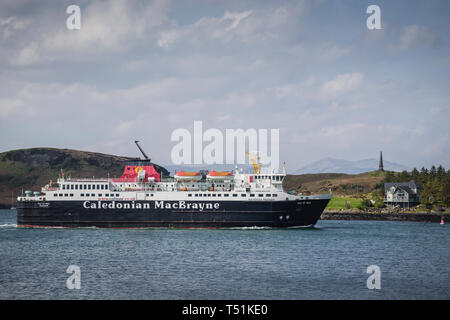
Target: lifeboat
(215,175)
(187,176)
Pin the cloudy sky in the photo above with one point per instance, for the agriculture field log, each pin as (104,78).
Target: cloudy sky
(312,69)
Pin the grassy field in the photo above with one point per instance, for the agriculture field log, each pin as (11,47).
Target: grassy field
(339,203)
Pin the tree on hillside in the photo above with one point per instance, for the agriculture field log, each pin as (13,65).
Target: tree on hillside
(404,176)
(415,174)
(440,173)
(444,191)
(390,176)
(423,175)
(433,172)
(427,193)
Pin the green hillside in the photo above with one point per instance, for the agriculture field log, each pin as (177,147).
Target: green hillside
(337,183)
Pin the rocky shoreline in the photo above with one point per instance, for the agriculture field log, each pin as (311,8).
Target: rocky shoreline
(385,216)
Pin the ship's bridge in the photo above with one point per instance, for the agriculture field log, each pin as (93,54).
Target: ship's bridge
(259,181)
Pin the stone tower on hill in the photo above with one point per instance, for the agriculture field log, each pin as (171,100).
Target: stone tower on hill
(380,166)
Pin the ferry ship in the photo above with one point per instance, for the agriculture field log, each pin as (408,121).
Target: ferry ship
(143,198)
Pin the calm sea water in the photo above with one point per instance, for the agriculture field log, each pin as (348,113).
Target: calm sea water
(327,262)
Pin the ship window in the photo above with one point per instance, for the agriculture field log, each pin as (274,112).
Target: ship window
(76,187)
(82,195)
(117,194)
(189,194)
(275,195)
(226,195)
(268,195)
(252,195)
(243,195)
(92,194)
(219,195)
(60,195)
(209,194)
(71,186)
(213,194)
(84,187)
(71,194)
(106,186)
(199,194)
(152,194)
(64,187)
(260,195)
(234,195)
(66,195)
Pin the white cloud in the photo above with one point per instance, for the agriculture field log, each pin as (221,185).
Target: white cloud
(415,35)
(9,106)
(244,26)
(27,56)
(235,18)
(342,84)
(106,27)
(205,27)
(11,24)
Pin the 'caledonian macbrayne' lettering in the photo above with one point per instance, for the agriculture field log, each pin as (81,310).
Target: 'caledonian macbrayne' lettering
(147,205)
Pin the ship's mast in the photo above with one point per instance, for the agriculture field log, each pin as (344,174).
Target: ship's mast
(143,153)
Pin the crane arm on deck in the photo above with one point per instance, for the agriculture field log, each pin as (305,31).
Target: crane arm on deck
(255,164)
(145,156)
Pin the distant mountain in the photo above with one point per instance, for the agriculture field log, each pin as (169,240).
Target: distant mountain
(330,165)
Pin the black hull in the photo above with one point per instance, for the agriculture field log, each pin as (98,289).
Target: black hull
(168,214)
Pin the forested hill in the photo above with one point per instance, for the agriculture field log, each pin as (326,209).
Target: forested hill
(31,169)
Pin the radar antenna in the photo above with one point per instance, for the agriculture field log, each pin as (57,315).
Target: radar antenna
(143,153)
